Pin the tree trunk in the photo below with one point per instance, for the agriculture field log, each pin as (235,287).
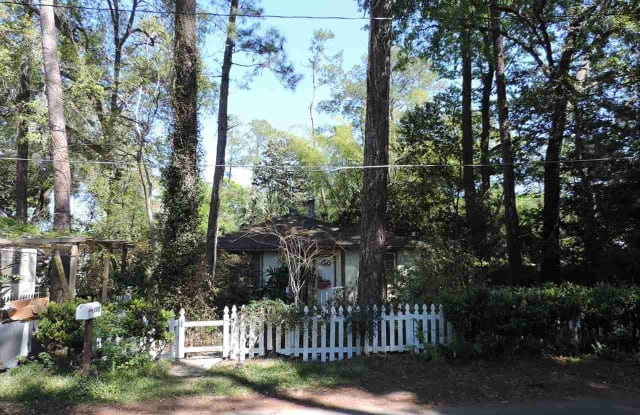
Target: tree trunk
(313,101)
(57,125)
(551,211)
(214,208)
(467,139)
(485,171)
(588,220)
(22,142)
(371,279)
(182,239)
(512,221)
(147,190)
(550,268)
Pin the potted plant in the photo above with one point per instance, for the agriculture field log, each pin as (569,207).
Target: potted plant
(324,284)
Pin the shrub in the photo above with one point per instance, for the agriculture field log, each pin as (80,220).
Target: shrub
(441,267)
(58,330)
(235,282)
(491,323)
(138,322)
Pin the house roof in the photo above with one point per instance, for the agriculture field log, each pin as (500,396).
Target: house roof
(262,237)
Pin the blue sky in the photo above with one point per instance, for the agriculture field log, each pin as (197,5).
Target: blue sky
(267,99)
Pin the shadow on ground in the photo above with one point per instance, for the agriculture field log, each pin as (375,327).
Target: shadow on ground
(365,386)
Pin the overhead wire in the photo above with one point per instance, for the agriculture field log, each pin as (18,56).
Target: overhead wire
(347,167)
(465,18)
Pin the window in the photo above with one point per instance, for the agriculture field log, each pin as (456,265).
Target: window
(255,264)
(390,261)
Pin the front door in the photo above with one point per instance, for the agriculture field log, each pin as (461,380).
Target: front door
(326,278)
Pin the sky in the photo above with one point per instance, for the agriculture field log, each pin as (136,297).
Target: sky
(266,98)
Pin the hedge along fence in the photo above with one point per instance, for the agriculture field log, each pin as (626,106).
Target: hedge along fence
(554,318)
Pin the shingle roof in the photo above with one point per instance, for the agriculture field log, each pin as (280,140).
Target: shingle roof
(261,237)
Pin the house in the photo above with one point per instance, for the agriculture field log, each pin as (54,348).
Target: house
(337,265)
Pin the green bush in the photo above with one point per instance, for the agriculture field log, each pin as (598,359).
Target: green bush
(441,267)
(490,323)
(58,330)
(137,322)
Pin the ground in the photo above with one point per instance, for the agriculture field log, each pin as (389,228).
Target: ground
(389,384)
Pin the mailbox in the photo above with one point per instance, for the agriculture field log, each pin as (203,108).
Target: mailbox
(88,311)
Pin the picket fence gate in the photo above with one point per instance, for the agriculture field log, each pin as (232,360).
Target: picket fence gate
(322,336)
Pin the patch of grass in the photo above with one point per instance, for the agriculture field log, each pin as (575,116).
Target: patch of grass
(281,375)
(33,383)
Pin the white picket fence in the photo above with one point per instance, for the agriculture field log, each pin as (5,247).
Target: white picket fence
(322,336)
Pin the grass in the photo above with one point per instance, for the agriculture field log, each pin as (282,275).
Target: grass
(431,382)
(35,383)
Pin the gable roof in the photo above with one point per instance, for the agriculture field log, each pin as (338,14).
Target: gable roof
(261,237)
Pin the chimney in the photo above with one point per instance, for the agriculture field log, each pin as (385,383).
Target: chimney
(311,208)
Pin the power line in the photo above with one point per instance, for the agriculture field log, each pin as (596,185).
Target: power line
(347,167)
(211,14)
(307,17)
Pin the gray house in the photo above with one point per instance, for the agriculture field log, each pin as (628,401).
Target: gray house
(337,267)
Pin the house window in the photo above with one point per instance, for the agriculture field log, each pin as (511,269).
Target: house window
(390,261)
(255,264)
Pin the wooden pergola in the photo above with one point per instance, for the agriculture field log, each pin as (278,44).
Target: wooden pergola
(72,245)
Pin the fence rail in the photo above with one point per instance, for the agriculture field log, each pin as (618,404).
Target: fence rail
(322,335)
(7,295)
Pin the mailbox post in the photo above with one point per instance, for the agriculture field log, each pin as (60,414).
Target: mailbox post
(87,312)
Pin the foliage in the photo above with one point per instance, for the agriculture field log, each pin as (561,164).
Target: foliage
(235,282)
(11,228)
(363,321)
(435,268)
(137,322)
(59,331)
(276,312)
(276,286)
(490,323)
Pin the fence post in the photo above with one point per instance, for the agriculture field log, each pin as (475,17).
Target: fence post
(425,326)
(383,328)
(180,336)
(401,319)
(225,333)
(350,334)
(415,335)
(242,338)
(434,339)
(314,334)
(375,329)
(305,334)
(234,335)
(332,334)
(323,339)
(392,329)
(172,346)
(441,325)
(358,336)
(340,333)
